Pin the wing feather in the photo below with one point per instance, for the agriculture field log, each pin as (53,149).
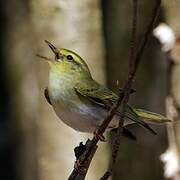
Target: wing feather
(105,98)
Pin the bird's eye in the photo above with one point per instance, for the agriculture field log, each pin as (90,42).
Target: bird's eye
(69,57)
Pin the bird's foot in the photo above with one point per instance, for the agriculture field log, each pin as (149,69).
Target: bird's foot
(99,136)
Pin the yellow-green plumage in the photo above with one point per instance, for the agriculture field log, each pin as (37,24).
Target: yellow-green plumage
(80,101)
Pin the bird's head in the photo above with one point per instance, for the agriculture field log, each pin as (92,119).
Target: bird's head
(66,62)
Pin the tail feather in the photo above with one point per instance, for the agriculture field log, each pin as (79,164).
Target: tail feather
(143,117)
(151,117)
(133,116)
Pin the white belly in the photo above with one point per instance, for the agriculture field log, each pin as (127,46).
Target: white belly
(83,118)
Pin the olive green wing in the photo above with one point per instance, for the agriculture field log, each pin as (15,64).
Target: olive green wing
(97,94)
(105,98)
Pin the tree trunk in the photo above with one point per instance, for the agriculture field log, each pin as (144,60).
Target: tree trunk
(21,79)
(77,26)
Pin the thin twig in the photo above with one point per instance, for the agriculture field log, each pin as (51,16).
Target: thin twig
(134,62)
(133,65)
(116,142)
(80,174)
(131,75)
(127,89)
(133,34)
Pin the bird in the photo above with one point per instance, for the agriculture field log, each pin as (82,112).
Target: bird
(80,101)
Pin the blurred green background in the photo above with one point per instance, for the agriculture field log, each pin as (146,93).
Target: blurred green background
(33,145)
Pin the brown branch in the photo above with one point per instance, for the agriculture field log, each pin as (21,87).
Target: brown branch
(134,61)
(133,65)
(134,34)
(126,89)
(84,160)
(81,173)
(116,142)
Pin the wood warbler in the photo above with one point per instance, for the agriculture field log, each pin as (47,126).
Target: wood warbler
(81,102)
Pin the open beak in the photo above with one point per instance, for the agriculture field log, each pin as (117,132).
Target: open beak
(54,49)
